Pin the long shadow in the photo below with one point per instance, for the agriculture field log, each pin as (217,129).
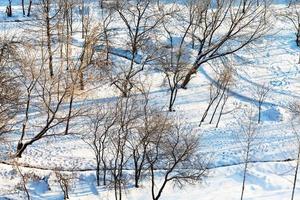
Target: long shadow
(237,95)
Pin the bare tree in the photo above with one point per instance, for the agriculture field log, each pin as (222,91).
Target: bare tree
(214,93)
(225,98)
(9,85)
(65,182)
(45,94)
(226,81)
(247,136)
(24,180)
(47,19)
(215,39)
(87,54)
(173,62)
(293,15)
(175,152)
(100,125)
(140,19)
(261,93)
(127,116)
(26,177)
(295,110)
(150,121)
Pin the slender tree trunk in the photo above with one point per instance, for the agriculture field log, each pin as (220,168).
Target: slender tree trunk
(70,111)
(98,170)
(207,109)
(152,181)
(24,182)
(162,187)
(29,8)
(245,171)
(82,19)
(23,8)
(9,9)
(213,115)
(171,100)
(103,161)
(136,174)
(81,81)
(71,20)
(104,173)
(49,45)
(221,111)
(259,112)
(298,37)
(244,6)
(296,174)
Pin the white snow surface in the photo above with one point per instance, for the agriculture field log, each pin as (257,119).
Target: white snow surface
(270,175)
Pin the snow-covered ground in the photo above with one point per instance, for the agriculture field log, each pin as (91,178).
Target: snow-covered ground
(266,181)
(274,62)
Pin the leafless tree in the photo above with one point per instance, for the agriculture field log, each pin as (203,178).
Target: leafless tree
(215,39)
(175,152)
(173,62)
(261,93)
(26,177)
(247,137)
(9,86)
(45,94)
(65,182)
(226,81)
(225,98)
(127,116)
(214,93)
(100,125)
(149,122)
(293,15)
(295,110)
(24,180)
(47,19)
(140,19)
(87,53)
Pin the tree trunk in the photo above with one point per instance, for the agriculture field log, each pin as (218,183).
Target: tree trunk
(213,115)
(245,172)
(98,170)
(70,112)
(188,77)
(296,174)
(104,173)
(49,42)
(259,112)
(82,19)
(23,8)
(172,100)
(9,10)
(221,111)
(81,81)
(20,149)
(29,8)
(298,37)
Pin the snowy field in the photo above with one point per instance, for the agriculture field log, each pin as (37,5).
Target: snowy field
(274,62)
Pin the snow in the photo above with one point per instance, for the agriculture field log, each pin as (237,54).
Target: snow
(271,180)
(271,172)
